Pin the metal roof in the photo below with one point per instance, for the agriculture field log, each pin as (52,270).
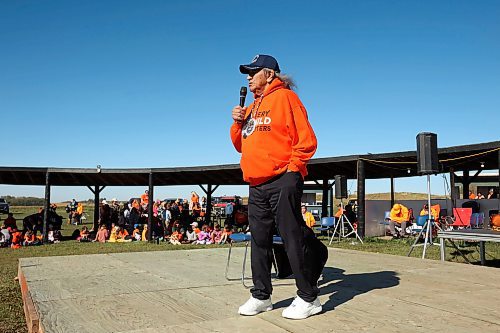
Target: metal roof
(377,166)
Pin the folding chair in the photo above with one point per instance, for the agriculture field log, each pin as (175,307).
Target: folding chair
(240,238)
(327,224)
(461,218)
(419,224)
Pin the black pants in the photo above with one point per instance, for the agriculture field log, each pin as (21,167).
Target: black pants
(276,204)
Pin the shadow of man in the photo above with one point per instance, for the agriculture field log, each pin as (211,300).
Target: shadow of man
(348,286)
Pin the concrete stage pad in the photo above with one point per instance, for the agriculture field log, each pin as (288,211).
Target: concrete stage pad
(185,291)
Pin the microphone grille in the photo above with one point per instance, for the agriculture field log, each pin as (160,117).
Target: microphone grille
(243,91)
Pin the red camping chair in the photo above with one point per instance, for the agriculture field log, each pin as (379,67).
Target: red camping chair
(461,217)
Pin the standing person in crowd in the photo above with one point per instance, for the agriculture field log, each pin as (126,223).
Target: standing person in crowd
(105,214)
(79,213)
(229,210)
(115,212)
(276,141)
(492,194)
(167,217)
(145,200)
(479,195)
(472,196)
(203,207)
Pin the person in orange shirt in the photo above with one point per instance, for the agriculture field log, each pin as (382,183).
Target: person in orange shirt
(84,234)
(308,217)
(400,215)
(29,238)
(276,141)
(145,199)
(425,211)
(472,196)
(17,239)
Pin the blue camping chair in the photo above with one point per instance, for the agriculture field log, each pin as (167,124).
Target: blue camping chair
(327,224)
(245,238)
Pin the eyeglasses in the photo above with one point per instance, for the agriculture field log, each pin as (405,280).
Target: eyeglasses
(254,71)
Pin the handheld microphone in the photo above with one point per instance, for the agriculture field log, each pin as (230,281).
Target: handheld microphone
(243,95)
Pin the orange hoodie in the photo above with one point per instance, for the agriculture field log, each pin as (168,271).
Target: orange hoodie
(283,139)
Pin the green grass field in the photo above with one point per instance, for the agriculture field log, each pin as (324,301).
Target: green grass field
(11,307)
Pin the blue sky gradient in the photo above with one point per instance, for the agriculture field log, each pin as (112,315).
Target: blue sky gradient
(151,84)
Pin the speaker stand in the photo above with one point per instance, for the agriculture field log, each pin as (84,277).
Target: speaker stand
(427,227)
(340,227)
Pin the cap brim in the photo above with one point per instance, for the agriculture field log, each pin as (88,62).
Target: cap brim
(245,69)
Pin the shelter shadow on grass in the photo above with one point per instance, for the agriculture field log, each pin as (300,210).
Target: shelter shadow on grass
(348,286)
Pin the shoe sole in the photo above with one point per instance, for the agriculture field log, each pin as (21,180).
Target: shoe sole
(313,312)
(256,312)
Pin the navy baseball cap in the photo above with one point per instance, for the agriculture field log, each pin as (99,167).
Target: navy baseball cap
(261,61)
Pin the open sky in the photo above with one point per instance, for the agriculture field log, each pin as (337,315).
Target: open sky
(152,83)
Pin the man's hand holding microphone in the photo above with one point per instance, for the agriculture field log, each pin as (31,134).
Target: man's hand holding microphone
(240,110)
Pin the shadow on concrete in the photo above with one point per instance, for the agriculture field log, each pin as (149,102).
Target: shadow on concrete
(348,286)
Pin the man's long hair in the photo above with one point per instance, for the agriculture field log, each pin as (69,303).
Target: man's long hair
(286,79)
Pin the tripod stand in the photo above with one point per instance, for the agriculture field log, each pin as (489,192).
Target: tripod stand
(427,227)
(340,226)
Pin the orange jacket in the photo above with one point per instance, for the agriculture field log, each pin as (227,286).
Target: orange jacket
(283,139)
(399,213)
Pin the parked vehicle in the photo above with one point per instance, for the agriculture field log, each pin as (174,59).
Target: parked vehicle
(219,203)
(4,206)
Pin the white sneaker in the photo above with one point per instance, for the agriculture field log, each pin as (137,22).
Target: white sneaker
(300,309)
(254,306)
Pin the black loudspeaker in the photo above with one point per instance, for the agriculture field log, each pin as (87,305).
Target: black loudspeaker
(427,154)
(340,187)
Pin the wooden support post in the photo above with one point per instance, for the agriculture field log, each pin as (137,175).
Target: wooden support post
(208,213)
(361,198)
(46,206)
(466,185)
(392,192)
(324,201)
(97,193)
(150,207)
(331,201)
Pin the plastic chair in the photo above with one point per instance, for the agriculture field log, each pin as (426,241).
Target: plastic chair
(240,238)
(462,217)
(327,224)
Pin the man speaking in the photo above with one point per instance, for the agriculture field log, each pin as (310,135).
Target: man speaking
(276,141)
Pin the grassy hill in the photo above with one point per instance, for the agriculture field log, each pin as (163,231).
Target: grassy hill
(397,196)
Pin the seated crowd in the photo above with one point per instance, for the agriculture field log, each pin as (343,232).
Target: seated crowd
(177,222)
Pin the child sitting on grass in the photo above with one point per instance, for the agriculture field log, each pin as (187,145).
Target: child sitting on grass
(84,235)
(175,237)
(216,234)
(203,236)
(136,234)
(29,238)
(225,235)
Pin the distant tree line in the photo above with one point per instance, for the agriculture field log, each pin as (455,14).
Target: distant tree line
(30,201)
(24,201)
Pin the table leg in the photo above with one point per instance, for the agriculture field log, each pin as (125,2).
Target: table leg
(441,245)
(482,253)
